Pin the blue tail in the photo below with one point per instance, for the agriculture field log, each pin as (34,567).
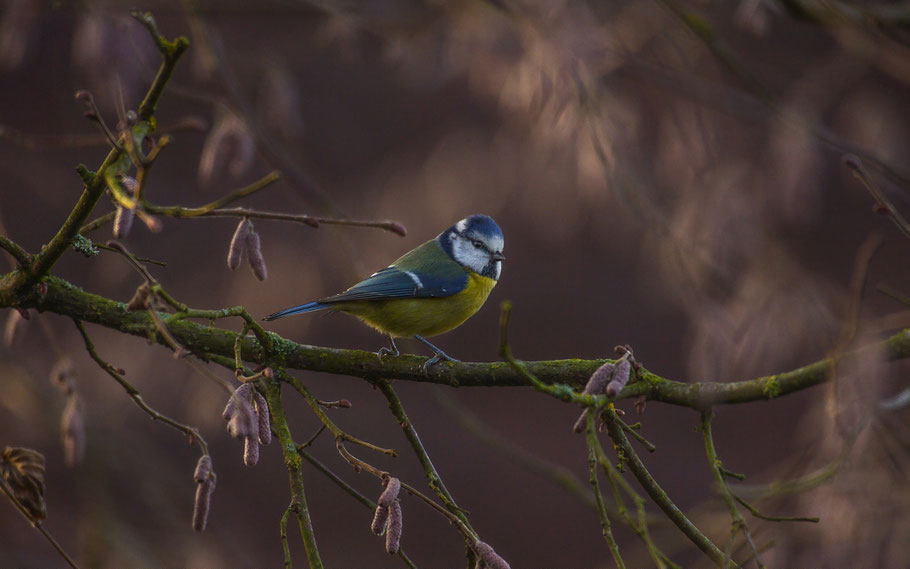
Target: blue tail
(308,307)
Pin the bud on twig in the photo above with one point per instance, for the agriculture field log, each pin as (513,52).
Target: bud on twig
(393,528)
(238,243)
(203,502)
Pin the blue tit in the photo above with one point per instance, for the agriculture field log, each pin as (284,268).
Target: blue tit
(429,290)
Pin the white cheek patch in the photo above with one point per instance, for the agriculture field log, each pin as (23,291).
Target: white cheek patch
(468,255)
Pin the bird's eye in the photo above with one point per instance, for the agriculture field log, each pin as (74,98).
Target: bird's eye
(477,244)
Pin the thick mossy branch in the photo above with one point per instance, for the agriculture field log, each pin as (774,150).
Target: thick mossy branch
(202,338)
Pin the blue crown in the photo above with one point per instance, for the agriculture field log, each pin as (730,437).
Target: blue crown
(479,225)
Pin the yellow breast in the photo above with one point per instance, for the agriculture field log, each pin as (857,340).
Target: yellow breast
(407,317)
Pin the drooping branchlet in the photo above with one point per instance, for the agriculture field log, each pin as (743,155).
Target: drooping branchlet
(596,385)
(388,514)
(393,528)
(203,469)
(599,379)
(251,450)
(487,558)
(238,243)
(379,519)
(72,430)
(262,411)
(247,414)
(229,141)
(239,413)
(203,501)
(620,377)
(72,422)
(254,255)
(390,494)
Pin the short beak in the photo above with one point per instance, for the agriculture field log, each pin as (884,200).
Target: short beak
(497,256)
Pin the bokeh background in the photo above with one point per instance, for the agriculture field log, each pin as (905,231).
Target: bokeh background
(677,192)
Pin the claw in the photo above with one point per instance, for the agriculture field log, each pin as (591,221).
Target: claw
(385,350)
(440,356)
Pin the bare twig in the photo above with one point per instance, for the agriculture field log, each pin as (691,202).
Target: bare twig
(191,433)
(433,479)
(36,524)
(591,435)
(882,203)
(739,524)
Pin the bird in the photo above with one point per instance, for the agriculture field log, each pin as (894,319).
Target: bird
(428,291)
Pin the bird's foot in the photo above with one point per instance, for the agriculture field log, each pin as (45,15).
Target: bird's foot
(440,356)
(435,360)
(386,350)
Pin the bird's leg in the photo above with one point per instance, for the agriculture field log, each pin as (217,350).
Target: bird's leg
(440,355)
(384,350)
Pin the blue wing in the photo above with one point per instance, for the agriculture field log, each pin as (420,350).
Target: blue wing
(425,272)
(393,282)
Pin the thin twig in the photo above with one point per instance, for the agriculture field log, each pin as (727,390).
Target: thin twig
(283,530)
(434,480)
(855,164)
(292,462)
(191,433)
(660,497)
(555,473)
(738,524)
(36,524)
(349,490)
(339,434)
(641,524)
(755,512)
(591,436)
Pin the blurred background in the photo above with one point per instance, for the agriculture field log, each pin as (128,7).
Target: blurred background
(666,175)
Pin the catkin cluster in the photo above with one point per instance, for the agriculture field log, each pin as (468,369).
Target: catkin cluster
(247,414)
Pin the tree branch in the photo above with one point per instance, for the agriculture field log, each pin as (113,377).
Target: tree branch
(66,299)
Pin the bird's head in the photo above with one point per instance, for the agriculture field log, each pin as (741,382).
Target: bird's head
(475,243)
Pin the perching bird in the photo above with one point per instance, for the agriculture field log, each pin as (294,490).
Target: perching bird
(429,290)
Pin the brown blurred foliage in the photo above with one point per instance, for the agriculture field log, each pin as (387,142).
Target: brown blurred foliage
(681,193)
